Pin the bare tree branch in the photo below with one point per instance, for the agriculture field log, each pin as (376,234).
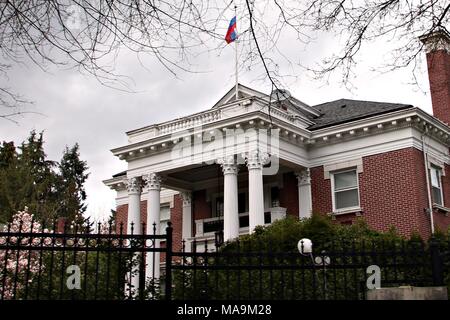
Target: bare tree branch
(89,34)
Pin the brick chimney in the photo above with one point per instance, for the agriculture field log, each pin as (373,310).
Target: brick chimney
(437,46)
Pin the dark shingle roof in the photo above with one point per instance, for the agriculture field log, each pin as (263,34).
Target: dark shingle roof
(345,110)
(123,173)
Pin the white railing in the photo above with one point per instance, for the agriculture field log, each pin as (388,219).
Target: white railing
(189,122)
(276,213)
(209,116)
(279,113)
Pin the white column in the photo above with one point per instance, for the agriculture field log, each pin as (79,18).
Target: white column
(186,231)
(255,161)
(304,193)
(153,183)
(134,206)
(230,198)
(134,226)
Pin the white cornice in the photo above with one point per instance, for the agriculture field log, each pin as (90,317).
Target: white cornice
(257,119)
(116,183)
(294,134)
(382,123)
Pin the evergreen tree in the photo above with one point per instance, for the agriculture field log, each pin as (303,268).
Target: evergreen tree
(8,164)
(7,154)
(48,189)
(71,179)
(38,192)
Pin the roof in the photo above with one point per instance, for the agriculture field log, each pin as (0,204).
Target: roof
(329,113)
(244,91)
(346,110)
(123,173)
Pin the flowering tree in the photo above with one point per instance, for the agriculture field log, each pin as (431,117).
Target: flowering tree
(36,262)
(18,266)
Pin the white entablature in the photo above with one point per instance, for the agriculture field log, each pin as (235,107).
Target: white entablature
(250,102)
(152,148)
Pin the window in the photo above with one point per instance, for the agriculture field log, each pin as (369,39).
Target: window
(219,207)
(436,188)
(345,189)
(164,218)
(275,196)
(242,203)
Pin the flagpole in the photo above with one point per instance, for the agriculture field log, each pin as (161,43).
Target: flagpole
(236,54)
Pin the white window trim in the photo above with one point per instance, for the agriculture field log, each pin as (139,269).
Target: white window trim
(216,195)
(333,192)
(432,161)
(267,197)
(330,168)
(440,171)
(164,205)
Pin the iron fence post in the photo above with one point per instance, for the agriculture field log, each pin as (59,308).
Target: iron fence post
(436,263)
(168,288)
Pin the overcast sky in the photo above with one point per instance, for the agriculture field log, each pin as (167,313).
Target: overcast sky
(77,108)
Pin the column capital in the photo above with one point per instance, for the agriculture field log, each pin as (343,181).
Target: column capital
(134,185)
(152,181)
(256,159)
(187,198)
(303,177)
(228,164)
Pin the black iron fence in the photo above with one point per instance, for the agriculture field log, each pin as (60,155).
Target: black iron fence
(248,270)
(104,263)
(80,262)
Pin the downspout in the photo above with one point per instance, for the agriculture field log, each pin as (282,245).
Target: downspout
(427,177)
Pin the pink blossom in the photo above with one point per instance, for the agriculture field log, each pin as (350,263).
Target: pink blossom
(16,263)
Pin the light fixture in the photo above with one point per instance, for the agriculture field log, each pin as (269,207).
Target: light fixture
(321,261)
(305,246)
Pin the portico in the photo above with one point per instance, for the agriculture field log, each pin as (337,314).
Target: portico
(238,197)
(227,165)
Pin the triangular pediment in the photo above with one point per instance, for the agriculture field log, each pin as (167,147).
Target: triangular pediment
(243,92)
(299,107)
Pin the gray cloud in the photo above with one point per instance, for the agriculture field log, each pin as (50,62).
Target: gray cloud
(79,109)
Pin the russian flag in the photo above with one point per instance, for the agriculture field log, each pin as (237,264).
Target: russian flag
(231,33)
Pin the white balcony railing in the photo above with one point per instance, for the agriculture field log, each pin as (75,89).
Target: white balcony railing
(209,226)
(188,122)
(206,117)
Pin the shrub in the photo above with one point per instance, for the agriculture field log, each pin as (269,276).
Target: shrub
(267,264)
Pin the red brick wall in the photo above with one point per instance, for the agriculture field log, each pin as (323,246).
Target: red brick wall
(441,221)
(121,218)
(422,194)
(289,194)
(446,185)
(392,193)
(321,191)
(144,214)
(122,215)
(439,76)
(200,207)
(176,217)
